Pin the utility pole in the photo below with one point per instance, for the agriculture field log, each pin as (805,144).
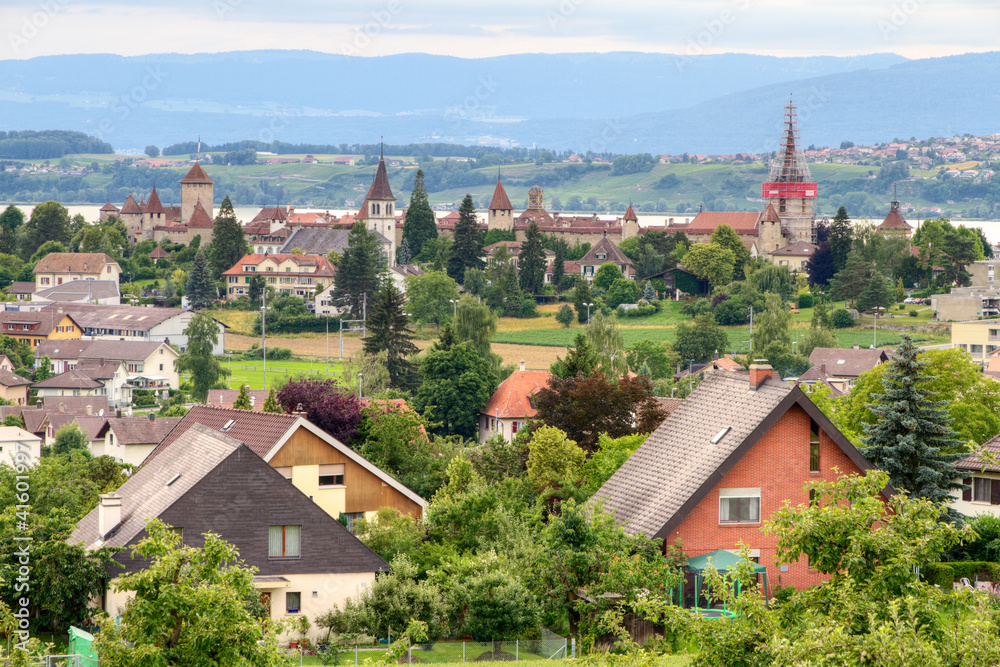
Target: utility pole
(263,330)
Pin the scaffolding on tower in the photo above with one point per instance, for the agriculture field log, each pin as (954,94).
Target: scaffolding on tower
(789,177)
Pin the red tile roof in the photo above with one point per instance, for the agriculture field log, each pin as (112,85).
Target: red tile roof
(259,431)
(511,400)
(197,175)
(73,262)
(109,207)
(199,217)
(323,266)
(770,214)
(158,252)
(154,205)
(500,201)
(130,205)
(741,222)
(630,215)
(895,219)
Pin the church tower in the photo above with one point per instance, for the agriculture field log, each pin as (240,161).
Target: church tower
(630,223)
(378,210)
(790,188)
(197,186)
(501,215)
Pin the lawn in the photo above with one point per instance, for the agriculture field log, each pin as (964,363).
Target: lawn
(252,372)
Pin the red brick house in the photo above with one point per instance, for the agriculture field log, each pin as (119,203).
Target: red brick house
(729,456)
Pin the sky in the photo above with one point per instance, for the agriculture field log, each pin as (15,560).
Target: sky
(483,28)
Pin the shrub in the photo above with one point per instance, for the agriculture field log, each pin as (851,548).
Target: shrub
(640,311)
(841,319)
(806,300)
(564,315)
(939,574)
(913,313)
(927,302)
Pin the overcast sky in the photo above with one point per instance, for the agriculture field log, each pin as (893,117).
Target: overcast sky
(478,28)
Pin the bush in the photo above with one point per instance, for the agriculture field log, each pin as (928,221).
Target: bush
(296,324)
(841,319)
(939,574)
(913,313)
(806,300)
(927,302)
(944,574)
(564,315)
(640,311)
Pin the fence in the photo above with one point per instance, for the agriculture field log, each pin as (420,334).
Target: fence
(549,646)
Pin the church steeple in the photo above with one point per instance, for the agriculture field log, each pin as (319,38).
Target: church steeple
(378,209)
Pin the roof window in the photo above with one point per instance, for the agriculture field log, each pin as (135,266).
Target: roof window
(721,434)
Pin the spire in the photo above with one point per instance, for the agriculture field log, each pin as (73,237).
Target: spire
(895,201)
(630,215)
(500,201)
(381,149)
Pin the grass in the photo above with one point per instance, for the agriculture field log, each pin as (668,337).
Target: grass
(252,372)
(238,321)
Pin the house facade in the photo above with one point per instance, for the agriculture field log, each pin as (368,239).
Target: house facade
(288,274)
(982,476)
(107,378)
(57,268)
(149,365)
(31,328)
(510,407)
(603,252)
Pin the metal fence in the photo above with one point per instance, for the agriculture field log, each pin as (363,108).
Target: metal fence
(549,646)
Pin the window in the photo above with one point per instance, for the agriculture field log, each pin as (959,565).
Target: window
(739,506)
(350,519)
(331,475)
(813,446)
(283,542)
(513,428)
(976,349)
(292,602)
(981,489)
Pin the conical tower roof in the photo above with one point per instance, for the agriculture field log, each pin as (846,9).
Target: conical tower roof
(500,201)
(769,214)
(109,207)
(130,205)
(790,165)
(380,190)
(197,175)
(630,215)
(154,205)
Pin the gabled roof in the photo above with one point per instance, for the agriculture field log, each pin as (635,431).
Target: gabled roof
(512,399)
(320,241)
(678,464)
(610,251)
(138,430)
(77,290)
(848,362)
(73,262)
(11,379)
(109,207)
(21,287)
(158,252)
(76,404)
(124,350)
(74,379)
(224,398)
(797,249)
(133,318)
(197,175)
(500,201)
(62,349)
(978,462)
(324,269)
(154,205)
(93,427)
(199,218)
(34,420)
(130,205)
(706,222)
(99,369)
(44,321)
(270,213)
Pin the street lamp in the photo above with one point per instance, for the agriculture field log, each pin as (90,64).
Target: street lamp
(588,305)
(875,328)
(455,303)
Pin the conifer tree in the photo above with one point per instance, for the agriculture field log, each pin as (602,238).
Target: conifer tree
(357,271)
(912,436)
(229,243)
(841,238)
(467,246)
(419,225)
(389,332)
(271,402)
(403,255)
(559,265)
(581,297)
(531,261)
(200,288)
(242,401)
(580,360)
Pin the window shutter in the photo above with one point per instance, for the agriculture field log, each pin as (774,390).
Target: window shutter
(995,492)
(967,493)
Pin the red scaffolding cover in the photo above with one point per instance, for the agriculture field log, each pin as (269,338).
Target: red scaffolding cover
(788,190)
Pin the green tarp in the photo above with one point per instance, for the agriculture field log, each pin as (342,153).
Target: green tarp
(722,560)
(81,644)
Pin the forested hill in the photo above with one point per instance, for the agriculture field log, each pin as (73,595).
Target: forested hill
(31,145)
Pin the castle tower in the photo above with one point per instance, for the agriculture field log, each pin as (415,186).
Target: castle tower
(630,223)
(153,214)
(894,225)
(378,209)
(790,188)
(131,215)
(769,234)
(535,198)
(196,186)
(501,215)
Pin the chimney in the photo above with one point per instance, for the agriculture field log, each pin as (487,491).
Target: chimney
(522,364)
(152,418)
(298,409)
(822,368)
(855,346)
(90,410)
(716,355)
(253,401)
(109,513)
(760,370)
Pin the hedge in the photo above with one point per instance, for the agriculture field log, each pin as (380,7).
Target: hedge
(945,574)
(297,324)
(640,311)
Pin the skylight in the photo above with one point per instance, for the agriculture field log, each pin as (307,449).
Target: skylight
(721,434)
(228,425)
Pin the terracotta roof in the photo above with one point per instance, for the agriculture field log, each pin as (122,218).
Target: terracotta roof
(270,213)
(630,215)
(109,207)
(847,362)
(199,218)
(797,249)
(73,262)
(197,175)
(154,205)
(130,205)
(11,379)
(260,431)
(770,214)
(73,379)
(610,251)
(979,463)
(324,269)
(94,427)
(539,215)
(894,220)
(139,430)
(500,201)
(21,287)
(99,369)
(511,400)
(706,222)
(224,398)
(158,252)
(679,463)
(43,322)
(76,404)
(668,405)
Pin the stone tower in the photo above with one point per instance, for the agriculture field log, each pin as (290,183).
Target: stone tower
(378,210)
(501,215)
(196,186)
(769,234)
(153,214)
(630,223)
(790,188)
(131,215)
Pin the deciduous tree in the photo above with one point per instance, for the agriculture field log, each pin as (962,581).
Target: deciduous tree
(606,275)
(198,360)
(456,384)
(726,237)
(607,343)
(325,404)
(699,341)
(430,297)
(711,262)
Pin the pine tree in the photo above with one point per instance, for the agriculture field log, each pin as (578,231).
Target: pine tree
(357,271)
(403,255)
(419,225)
(229,243)
(531,261)
(388,332)
(648,291)
(467,246)
(852,280)
(878,293)
(559,265)
(242,401)
(580,360)
(271,402)
(841,238)
(911,436)
(200,288)
(581,297)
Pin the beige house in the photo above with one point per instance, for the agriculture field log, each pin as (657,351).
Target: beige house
(983,479)
(131,439)
(14,440)
(978,338)
(794,255)
(510,407)
(107,378)
(288,274)
(57,268)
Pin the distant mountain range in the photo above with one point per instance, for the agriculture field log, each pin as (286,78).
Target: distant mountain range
(620,102)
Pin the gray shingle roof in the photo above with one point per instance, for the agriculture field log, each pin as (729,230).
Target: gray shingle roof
(678,464)
(73,379)
(138,430)
(320,240)
(75,290)
(847,362)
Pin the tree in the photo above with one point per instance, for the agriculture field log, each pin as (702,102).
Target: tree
(711,262)
(912,431)
(467,246)
(700,340)
(610,455)
(200,288)
(189,608)
(607,343)
(255,289)
(558,266)
(152,151)
(849,282)
(357,276)
(498,606)
(658,357)
(11,218)
(841,239)
(197,360)
(581,297)
(45,249)
(878,293)
(819,266)
(70,439)
(49,221)
(229,243)
(726,237)
(622,291)
(531,262)
(817,337)
(325,404)
(271,402)
(584,406)
(430,297)
(554,461)
(771,338)
(475,282)
(389,332)
(606,275)
(419,225)
(456,384)
(564,315)
(476,323)
(390,533)
(242,401)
